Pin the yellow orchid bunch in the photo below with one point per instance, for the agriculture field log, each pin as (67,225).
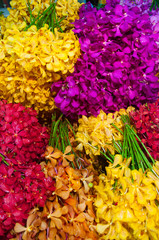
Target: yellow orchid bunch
(98,133)
(23,11)
(31,60)
(127,203)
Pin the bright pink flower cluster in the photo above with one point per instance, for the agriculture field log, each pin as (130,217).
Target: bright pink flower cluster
(21,135)
(22,182)
(21,188)
(146,122)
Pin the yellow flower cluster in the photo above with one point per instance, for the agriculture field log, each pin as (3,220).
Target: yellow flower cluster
(127,203)
(19,13)
(68,9)
(30,61)
(97,133)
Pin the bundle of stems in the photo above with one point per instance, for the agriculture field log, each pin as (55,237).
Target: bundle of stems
(133,147)
(60,138)
(46,17)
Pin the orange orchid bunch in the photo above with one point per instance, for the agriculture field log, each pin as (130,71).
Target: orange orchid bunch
(68,213)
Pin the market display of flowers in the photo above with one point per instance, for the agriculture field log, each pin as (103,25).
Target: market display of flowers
(79,120)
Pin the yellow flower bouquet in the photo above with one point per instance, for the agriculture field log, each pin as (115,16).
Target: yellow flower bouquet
(33,55)
(127,203)
(97,134)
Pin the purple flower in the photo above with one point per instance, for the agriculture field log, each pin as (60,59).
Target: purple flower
(118,61)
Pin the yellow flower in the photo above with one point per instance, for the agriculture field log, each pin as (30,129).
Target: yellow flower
(30,61)
(126,204)
(68,9)
(97,133)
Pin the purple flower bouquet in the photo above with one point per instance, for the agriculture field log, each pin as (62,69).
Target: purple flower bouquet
(118,62)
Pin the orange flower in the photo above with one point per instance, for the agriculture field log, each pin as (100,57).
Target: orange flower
(68,214)
(52,155)
(30,230)
(67,157)
(86,179)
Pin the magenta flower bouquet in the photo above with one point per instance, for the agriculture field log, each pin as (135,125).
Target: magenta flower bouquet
(118,62)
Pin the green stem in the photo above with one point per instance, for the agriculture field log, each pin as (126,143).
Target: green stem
(44,16)
(153,161)
(30,12)
(131,150)
(117,147)
(39,17)
(109,159)
(57,143)
(55,132)
(124,143)
(134,149)
(52,20)
(61,138)
(71,127)
(52,127)
(117,128)
(3,159)
(61,19)
(33,23)
(141,153)
(56,20)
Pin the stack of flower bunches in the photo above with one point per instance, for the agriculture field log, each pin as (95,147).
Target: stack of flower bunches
(68,213)
(33,57)
(116,68)
(22,182)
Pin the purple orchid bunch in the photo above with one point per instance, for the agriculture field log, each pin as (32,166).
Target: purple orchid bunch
(118,62)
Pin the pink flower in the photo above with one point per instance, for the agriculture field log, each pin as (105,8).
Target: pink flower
(21,135)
